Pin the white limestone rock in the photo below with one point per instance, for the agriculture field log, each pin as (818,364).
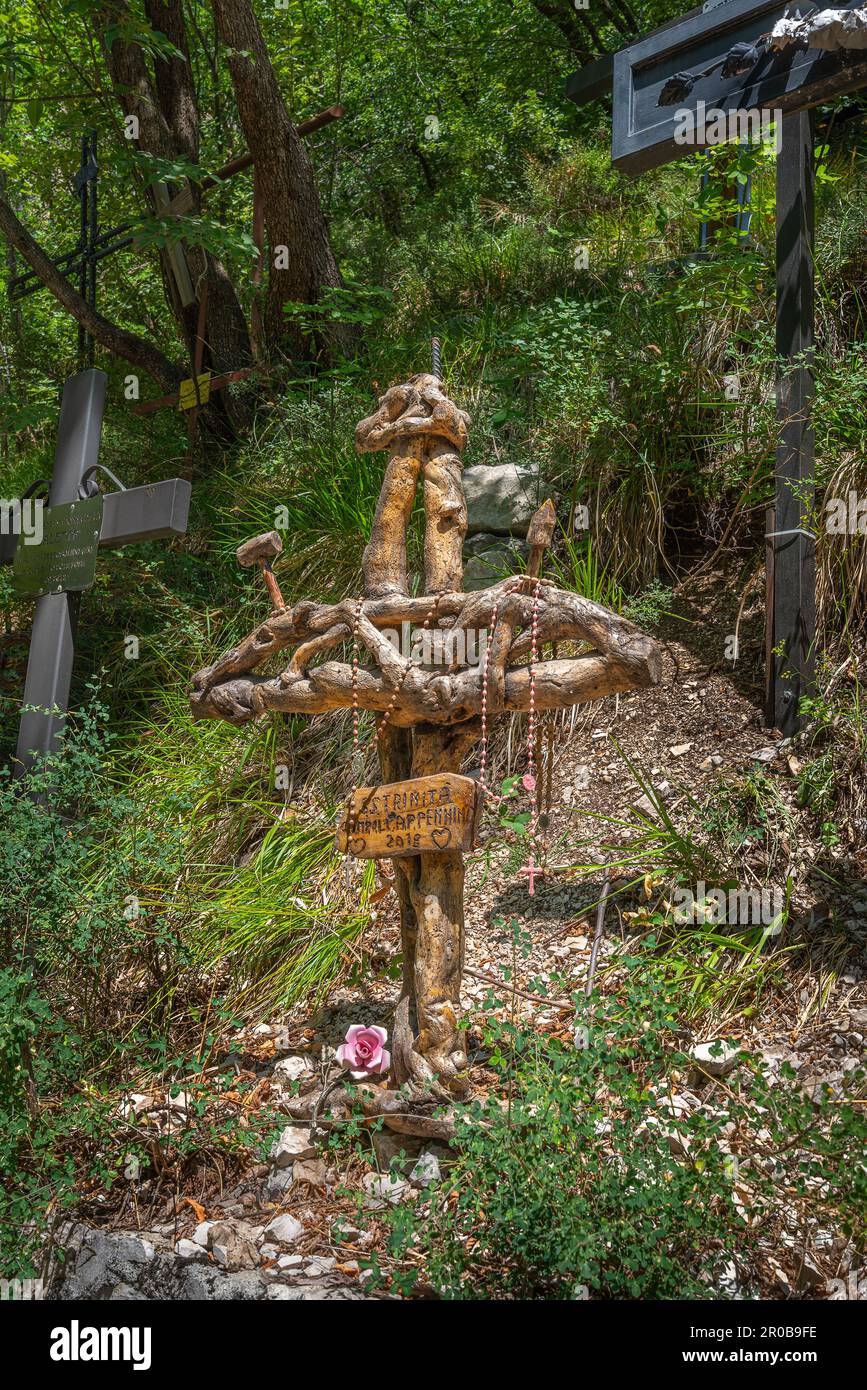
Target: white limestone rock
(294,1142)
(715,1058)
(284,1229)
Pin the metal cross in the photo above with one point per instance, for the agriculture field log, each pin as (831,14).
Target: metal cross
(532,872)
(132,514)
(92,246)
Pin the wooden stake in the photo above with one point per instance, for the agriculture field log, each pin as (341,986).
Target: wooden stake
(540,533)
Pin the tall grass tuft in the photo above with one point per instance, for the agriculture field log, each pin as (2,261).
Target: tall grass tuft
(286,923)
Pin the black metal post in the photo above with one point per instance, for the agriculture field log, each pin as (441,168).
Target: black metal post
(82,246)
(794,543)
(91,242)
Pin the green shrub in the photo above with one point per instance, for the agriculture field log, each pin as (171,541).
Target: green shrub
(576,1178)
(85,975)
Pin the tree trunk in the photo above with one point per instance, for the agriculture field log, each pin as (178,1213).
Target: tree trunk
(395,762)
(168,116)
(293,215)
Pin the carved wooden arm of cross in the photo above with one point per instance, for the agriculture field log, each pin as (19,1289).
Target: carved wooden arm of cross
(622,658)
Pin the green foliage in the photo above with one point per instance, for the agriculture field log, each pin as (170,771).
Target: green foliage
(98,985)
(578,1178)
(79,963)
(832,782)
(648,608)
(610,377)
(283,924)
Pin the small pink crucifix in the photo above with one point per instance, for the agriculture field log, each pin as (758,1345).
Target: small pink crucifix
(533,872)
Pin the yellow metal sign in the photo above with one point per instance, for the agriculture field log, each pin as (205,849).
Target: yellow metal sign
(188,398)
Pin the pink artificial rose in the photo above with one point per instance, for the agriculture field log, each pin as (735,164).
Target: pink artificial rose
(364,1051)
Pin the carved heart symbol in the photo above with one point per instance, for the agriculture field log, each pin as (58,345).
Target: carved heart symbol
(441,838)
(357,843)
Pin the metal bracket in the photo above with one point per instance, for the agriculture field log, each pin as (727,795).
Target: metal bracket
(88,487)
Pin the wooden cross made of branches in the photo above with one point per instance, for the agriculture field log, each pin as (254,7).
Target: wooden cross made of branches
(428,713)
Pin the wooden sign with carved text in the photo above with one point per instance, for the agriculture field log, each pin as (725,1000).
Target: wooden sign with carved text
(400,818)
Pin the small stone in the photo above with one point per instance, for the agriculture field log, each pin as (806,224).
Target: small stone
(727,1280)
(200,1234)
(125,1293)
(810,1276)
(647,804)
(291,1261)
(284,1229)
(190,1250)
(678,749)
(318,1265)
(715,1058)
(293,1068)
(232,1245)
(389,1146)
(385,1187)
(764,755)
(426,1171)
(293,1143)
(341,1233)
(278,1184)
(309,1170)
(138,1104)
(820,1089)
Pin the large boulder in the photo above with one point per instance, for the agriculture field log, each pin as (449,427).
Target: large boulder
(501,497)
(102,1260)
(121,1266)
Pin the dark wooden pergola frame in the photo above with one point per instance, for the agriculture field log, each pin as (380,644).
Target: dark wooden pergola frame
(792,81)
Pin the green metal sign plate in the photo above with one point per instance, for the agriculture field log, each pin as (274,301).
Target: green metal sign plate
(65,559)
